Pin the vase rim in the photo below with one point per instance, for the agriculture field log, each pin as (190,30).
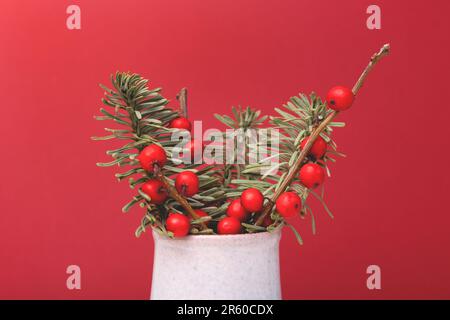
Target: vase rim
(215,237)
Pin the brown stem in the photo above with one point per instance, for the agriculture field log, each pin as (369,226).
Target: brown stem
(384,51)
(296,167)
(315,134)
(173,193)
(182,98)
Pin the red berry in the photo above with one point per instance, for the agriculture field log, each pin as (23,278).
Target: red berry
(229,225)
(312,175)
(187,183)
(178,224)
(340,98)
(201,214)
(151,155)
(181,123)
(252,200)
(318,148)
(192,146)
(155,190)
(236,210)
(289,204)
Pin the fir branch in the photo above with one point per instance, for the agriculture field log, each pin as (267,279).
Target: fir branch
(244,119)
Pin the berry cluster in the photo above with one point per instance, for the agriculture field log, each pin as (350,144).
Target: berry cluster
(248,207)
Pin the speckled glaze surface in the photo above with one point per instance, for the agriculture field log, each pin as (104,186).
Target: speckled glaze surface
(229,267)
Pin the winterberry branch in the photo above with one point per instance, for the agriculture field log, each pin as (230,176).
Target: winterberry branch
(182,98)
(315,134)
(142,110)
(173,193)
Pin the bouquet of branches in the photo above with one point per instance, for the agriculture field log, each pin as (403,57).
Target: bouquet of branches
(273,163)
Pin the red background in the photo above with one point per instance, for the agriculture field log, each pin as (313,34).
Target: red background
(389,195)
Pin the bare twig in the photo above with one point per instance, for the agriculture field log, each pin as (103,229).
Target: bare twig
(373,61)
(182,98)
(315,134)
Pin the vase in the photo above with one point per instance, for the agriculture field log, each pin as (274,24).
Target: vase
(217,267)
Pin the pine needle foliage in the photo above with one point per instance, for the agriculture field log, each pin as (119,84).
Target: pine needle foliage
(295,121)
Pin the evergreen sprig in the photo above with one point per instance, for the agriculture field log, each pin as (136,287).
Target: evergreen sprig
(143,116)
(295,121)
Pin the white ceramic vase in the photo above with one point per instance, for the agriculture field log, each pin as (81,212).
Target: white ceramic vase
(228,267)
